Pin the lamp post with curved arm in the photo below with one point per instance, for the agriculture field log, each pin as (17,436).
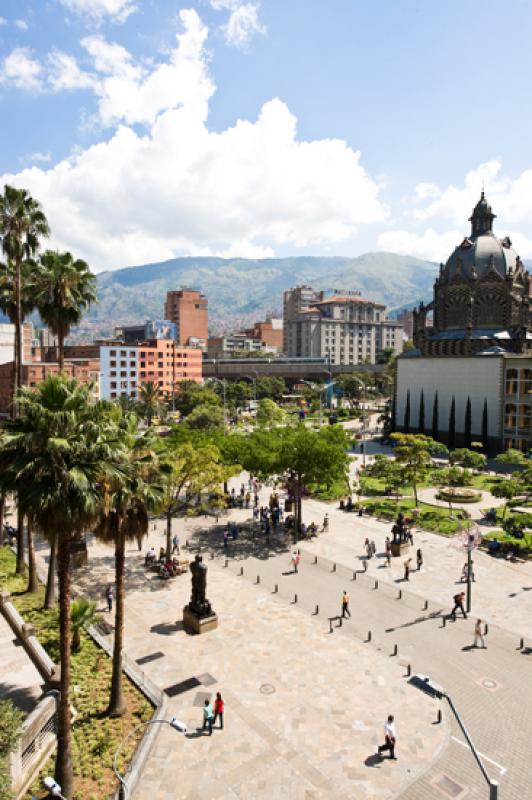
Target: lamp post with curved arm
(174,723)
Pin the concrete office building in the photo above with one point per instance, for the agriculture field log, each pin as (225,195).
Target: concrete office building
(189,310)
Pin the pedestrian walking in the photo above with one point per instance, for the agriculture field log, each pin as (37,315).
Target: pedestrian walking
(369,551)
(458,605)
(373,548)
(389,738)
(207,717)
(219,710)
(297,559)
(109,595)
(175,545)
(294,561)
(325,523)
(407,568)
(345,605)
(419,559)
(478,634)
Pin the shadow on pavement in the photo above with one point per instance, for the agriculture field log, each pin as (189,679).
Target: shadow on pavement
(374,760)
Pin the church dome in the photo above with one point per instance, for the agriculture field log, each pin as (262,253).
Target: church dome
(482,251)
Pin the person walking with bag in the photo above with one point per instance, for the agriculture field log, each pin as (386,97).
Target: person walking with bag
(109,595)
(345,605)
(219,710)
(389,738)
(478,634)
(207,717)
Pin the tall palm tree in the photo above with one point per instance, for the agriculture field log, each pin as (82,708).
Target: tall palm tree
(149,401)
(129,496)
(53,456)
(63,288)
(22,225)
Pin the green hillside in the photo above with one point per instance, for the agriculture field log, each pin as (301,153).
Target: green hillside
(238,287)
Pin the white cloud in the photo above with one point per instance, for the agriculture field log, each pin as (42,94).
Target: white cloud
(21,24)
(430,244)
(181,189)
(40,157)
(64,73)
(97,10)
(21,70)
(243,22)
(3,21)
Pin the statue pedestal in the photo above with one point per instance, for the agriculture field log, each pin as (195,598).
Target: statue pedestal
(193,623)
(400,549)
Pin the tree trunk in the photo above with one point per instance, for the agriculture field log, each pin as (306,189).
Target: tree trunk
(168,535)
(414,486)
(49,598)
(76,639)
(61,352)
(2,510)
(63,763)
(116,702)
(21,567)
(33,583)
(18,329)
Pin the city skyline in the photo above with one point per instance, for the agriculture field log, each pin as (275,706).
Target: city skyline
(263,130)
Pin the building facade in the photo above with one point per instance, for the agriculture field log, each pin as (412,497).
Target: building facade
(269,332)
(294,302)
(237,344)
(124,368)
(84,370)
(469,377)
(345,329)
(189,310)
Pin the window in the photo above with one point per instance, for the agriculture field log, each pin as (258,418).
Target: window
(511,381)
(526,382)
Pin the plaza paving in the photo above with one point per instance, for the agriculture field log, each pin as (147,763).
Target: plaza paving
(305,707)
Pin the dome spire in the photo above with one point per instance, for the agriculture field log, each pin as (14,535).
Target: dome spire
(482,217)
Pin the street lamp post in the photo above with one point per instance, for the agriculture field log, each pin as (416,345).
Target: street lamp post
(174,723)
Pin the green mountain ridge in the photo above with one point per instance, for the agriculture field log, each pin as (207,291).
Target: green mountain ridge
(239,287)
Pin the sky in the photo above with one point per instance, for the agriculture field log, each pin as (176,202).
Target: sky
(150,129)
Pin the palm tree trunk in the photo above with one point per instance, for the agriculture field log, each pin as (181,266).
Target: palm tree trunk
(168,535)
(18,325)
(49,598)
(61,352)
(116,702)
(20,569)
(33,583)
(63,763)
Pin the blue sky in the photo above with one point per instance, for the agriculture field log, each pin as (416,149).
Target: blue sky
(274,128)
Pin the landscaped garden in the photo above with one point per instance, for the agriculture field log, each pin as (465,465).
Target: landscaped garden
(96,736)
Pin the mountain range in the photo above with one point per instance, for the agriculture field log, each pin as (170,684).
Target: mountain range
(243,290)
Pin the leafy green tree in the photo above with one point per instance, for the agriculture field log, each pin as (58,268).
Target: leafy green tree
(387,470)
(506,490)
(452,425)
(10,729)
(421,420)
(193,475)
(413,452)
(352,386)
(385,355)
(22,226)
(238,394)
(53,456)
(129,494)
(270,387)
(468,459)
(511,456)
(82,615)
(269,414)
(150,403)
(192,394)
(435,414)
(467,423)
(205,417)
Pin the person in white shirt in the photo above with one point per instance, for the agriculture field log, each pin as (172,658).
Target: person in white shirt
(389,737)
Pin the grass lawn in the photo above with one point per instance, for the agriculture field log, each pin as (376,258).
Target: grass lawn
(95,736)
(431,518)
(376,486)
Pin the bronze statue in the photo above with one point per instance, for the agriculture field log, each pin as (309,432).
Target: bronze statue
(198,602)
(399,529)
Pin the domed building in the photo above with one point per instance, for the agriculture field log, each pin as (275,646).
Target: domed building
(469,376)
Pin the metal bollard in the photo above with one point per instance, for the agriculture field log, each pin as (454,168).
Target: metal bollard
(354,576)
(276,588)
(369,636)
(426,606)
(443,622)
(241,570)
(212,555)
(521,643)
(226,562)
(317,611)
(187,544)
(395,650)
(365,566)
(486,629)
(333,568)
(494,790)
(408,670)
(295,598)
(330,625)
(399,594)
(376,585)
(315,559)
(258,579)
(439,717)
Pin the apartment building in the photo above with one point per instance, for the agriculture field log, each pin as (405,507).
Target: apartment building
(125,367)
(294,302)
(189,310)
(345,329)
(84,370)
(269,332)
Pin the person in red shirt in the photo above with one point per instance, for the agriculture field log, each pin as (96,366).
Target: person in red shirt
(219,709)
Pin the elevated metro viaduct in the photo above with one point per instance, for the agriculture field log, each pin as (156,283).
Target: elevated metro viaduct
(291,369)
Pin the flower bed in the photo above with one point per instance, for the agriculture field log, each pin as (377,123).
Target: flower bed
(459,494)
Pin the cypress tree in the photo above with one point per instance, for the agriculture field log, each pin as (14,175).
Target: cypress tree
(406,426)
(467,423)
(452,422)
(435,417)
(485,424)
(421,421)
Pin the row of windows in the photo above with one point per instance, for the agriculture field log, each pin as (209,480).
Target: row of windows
(519,382)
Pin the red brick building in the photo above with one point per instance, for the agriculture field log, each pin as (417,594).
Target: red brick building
(189,310)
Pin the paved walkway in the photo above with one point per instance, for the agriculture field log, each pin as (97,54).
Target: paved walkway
(19,680)
(476,510)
